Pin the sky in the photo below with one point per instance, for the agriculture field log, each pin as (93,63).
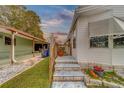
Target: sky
(54,18)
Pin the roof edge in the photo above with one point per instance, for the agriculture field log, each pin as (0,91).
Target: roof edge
(21,32)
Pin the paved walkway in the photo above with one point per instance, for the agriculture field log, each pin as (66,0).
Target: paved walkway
(8,71)
(67,73)
(17,58)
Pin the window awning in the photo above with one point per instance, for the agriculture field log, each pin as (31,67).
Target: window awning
(112,26)
(118,26)
(99,28)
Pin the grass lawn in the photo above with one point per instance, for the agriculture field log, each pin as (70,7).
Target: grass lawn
(35,77)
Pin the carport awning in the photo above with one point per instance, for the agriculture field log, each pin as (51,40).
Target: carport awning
(23,34)
(112,26)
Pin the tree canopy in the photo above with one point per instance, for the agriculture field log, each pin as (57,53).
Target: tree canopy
(21,18)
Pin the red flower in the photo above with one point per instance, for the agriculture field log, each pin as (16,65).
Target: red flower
(98,68)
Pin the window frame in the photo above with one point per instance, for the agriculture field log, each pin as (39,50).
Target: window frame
(10,42)
(99,42)
(117,37)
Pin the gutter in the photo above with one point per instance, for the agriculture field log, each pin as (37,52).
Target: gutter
(21,33)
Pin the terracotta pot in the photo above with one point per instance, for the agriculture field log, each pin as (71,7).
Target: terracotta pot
(60,53)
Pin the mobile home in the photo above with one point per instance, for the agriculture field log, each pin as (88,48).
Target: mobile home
(97,35)
(15,44)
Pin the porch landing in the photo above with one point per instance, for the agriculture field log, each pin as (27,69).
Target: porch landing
(68,85)
(67,73)
(65,59)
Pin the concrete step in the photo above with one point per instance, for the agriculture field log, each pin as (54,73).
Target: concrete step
(67,67)
(68,85)
(66,59)
(66,62)
(68,76)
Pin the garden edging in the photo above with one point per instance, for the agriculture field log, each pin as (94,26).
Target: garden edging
(90,81)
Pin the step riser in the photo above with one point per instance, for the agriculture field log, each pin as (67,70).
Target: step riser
(66,63)
(66,78)
(77,84)
(67,69)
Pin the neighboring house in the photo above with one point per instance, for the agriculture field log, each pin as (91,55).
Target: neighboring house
(97,35)
(15,43)
(60,38)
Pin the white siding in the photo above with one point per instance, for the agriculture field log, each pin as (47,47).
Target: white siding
(118,57)
(100,16)
(98,55)
(73,49)
(86,54)
(82,40)
(118,10)
(118,54)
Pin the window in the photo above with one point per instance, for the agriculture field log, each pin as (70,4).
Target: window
(99,42)
(74,43)
(118,41)
(8,41)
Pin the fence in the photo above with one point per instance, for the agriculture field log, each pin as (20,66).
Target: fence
(52,60)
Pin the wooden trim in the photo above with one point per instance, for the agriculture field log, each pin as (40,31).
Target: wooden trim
(70,47)
(21,33)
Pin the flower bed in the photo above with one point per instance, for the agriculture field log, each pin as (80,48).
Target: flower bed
(97,77)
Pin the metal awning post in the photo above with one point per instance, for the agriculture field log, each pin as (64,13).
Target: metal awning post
(33,47)
(13,48)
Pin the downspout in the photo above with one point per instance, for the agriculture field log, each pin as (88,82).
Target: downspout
(33,47)
(13,48)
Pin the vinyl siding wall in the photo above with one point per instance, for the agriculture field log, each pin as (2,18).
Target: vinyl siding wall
(85,53)
(74,53)
(118,10)
(23,47)
(118,53)
(4,49)
(96,55)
